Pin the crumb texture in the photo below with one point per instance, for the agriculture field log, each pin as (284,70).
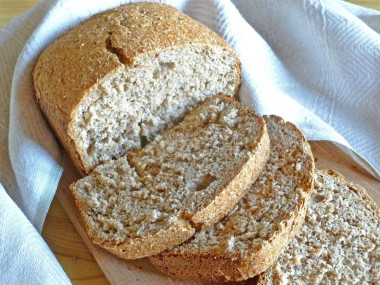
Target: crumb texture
(133,106)
(126,74)
(176,176)
(339,243)
(261,222)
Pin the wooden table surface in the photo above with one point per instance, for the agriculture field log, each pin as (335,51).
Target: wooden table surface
(58,231)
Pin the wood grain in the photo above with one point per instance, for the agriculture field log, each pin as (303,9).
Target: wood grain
(74,253)
(10,9)
(69,248)
(373,4)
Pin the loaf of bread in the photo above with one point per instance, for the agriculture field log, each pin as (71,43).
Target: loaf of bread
(186,179)
(118,79)
(248,240)
(339,243)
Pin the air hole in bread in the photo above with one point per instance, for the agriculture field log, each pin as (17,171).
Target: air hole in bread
(205,182)
(317,199)
(143,140)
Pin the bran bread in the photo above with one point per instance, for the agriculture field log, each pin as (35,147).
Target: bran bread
(185,180)
(248,240)
(119,78)
(339,243)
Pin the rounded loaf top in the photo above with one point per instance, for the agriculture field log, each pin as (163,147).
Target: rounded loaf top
(86,54)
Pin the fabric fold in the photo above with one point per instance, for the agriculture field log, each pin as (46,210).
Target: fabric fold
(24,256)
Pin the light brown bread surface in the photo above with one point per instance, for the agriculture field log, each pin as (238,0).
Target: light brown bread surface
(186,179)
(339,243)
(116,80)
(250,237)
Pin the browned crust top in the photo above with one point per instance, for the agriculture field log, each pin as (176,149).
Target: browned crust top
(81,58)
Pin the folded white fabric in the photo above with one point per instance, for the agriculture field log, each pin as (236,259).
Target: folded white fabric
(316,63)
(24,256)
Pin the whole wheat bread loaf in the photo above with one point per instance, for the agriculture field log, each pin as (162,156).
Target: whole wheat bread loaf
(250,237)
(119,78)
(186,179)
(339,243)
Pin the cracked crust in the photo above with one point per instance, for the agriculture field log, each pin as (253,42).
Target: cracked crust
(77,62)
(248,240)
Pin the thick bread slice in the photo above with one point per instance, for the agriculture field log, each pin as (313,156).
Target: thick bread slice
(339,243)
(119,78)
(249,238)
(187,178)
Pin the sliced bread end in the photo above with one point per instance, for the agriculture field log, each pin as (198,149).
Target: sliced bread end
(186,179)
(339,242)
(250,237)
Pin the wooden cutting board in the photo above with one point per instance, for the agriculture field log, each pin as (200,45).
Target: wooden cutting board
(327,156)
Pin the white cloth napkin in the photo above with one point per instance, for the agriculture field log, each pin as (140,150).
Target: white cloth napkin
(24,256)
(315,63)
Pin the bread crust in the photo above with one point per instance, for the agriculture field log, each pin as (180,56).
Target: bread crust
(71,67)
(243,177)
(354,187)
(235,189)
(222,268)
(149,244)
(183,228)
(261,279)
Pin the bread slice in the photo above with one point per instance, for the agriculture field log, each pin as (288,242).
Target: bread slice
(339,243)
(186,179)
(250,237)
(119,78)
